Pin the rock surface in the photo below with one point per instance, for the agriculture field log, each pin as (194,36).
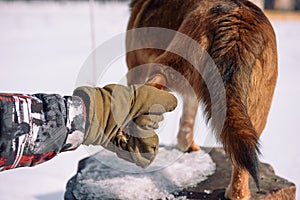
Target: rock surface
(272,186)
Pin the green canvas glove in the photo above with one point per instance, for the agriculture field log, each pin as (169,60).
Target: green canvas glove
(122,119)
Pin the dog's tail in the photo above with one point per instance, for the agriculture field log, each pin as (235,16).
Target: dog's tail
(239,137)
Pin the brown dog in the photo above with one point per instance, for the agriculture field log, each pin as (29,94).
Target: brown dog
(240,41)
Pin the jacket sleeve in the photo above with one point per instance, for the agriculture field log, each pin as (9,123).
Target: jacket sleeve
(35,128)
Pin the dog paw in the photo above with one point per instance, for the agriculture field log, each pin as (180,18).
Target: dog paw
(194,147)
(188,147)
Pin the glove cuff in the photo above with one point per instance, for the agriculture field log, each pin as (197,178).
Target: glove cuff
(75,122)
(87,96)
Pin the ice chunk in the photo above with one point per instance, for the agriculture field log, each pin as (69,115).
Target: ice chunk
(106,176)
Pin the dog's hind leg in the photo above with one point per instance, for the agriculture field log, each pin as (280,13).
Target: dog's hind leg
(185,137)
(238,187)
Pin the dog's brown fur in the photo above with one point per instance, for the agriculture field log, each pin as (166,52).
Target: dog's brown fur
(241,42)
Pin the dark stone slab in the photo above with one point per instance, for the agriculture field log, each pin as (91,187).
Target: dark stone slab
(272,186)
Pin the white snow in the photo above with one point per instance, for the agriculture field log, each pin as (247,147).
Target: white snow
(106,176)
(43,46)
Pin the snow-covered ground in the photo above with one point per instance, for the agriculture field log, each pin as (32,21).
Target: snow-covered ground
(43,47)
(113,178)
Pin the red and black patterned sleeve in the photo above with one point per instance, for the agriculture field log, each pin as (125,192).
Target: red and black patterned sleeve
(35,128)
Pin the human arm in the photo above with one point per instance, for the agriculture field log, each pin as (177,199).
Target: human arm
(35,128)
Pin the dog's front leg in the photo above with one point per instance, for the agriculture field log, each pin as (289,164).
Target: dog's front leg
(185,137)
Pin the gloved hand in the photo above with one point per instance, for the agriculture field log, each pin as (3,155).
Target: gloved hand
(122,119)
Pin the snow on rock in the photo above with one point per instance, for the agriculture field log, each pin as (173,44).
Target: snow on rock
(105,176)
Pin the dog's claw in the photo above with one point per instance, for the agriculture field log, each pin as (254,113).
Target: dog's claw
(122,139)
